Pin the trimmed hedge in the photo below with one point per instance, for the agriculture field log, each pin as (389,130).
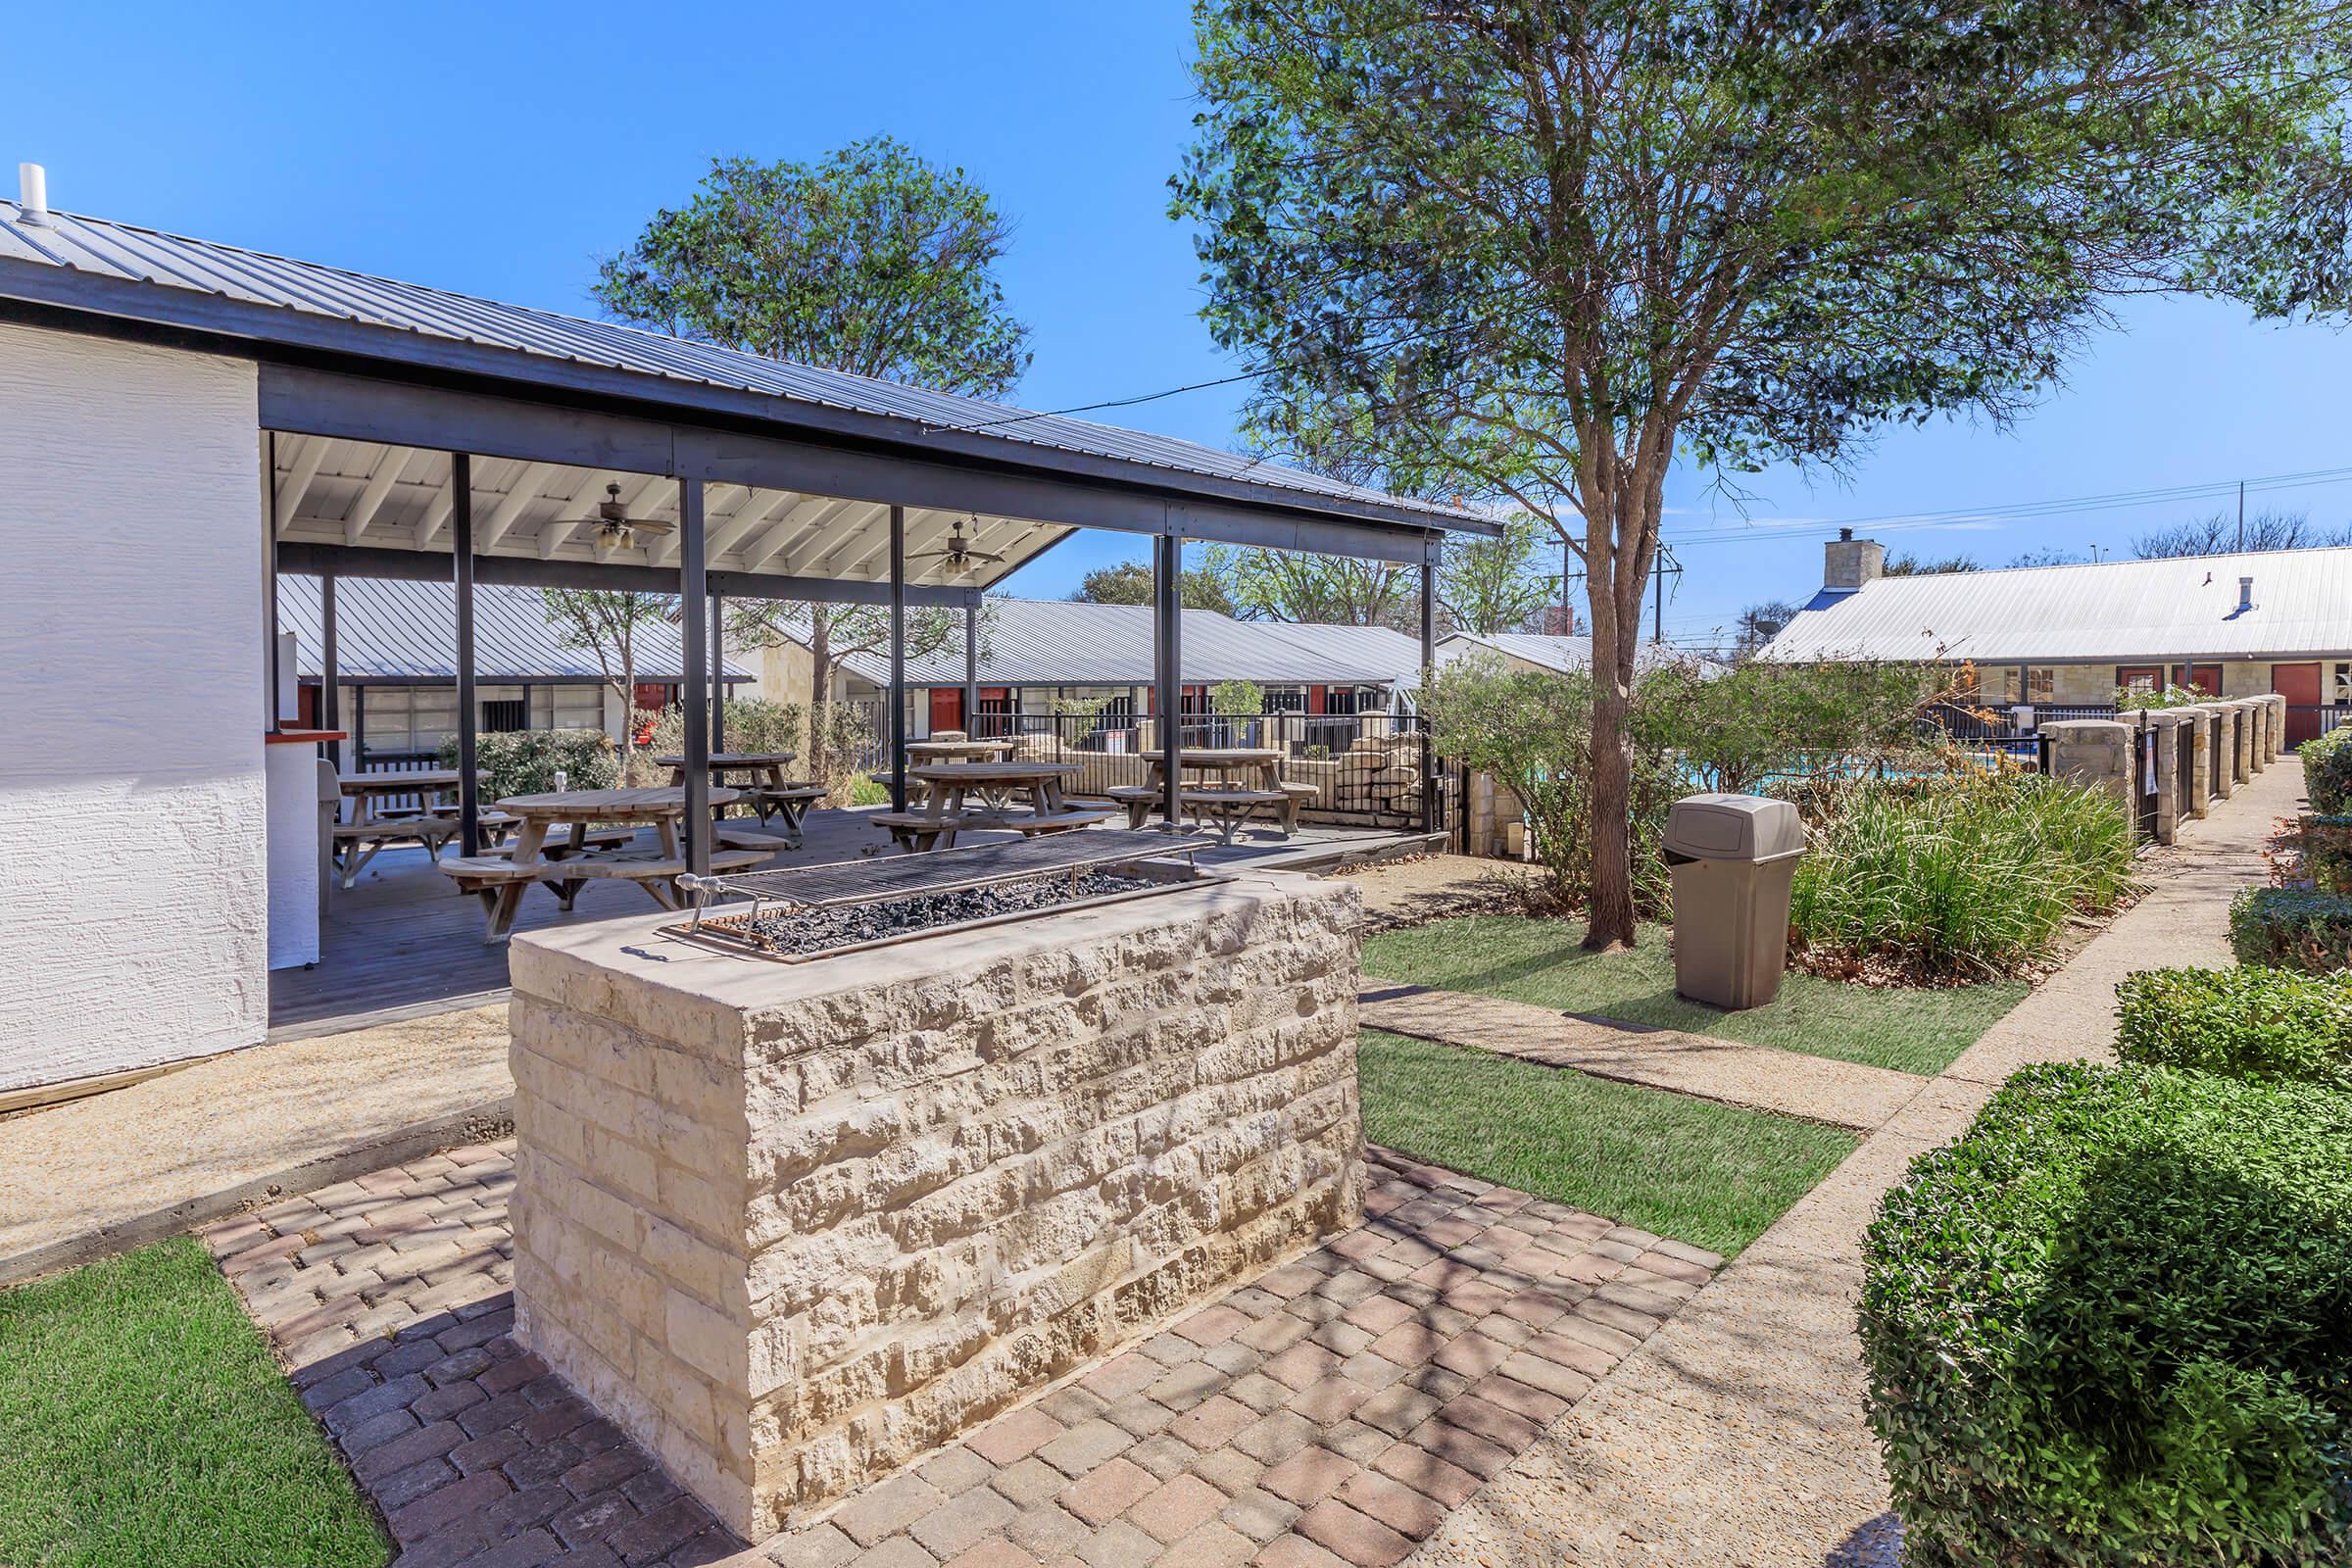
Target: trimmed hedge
(2291,928)
(2109,1326)
(2327,853)
(2265,1024)
(2327,772)
(524,761)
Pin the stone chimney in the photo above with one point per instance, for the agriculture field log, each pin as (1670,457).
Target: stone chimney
(1847,563)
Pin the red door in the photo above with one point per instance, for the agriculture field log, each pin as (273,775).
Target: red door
(2204,678)
(2299,684)
(947,709)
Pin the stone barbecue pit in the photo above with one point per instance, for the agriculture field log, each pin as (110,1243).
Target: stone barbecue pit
(795,1225)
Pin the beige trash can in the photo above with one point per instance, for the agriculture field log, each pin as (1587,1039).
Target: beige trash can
(1733,858)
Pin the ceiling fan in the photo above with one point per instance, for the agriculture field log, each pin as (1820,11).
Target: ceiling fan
(958,552)
(614,528)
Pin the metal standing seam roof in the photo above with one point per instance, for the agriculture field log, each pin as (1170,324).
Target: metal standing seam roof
(2186,608)
(1570,656)
(1060,642)
(123,253)
(407,631)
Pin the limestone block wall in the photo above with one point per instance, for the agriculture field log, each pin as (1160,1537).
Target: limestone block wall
(796,1226)
(2094,752)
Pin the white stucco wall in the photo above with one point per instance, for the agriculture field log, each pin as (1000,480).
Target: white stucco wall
(132,923)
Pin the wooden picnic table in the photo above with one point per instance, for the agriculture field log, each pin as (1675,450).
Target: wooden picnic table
(764,769)
(372,830)
(566,866)
(1242,780)
(1026,796)
(923,753)
(1259,766)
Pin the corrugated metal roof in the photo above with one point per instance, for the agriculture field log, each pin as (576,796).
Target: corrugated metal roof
(2111,610)
(123,253)
(397,631)
(1060,642)
(1570,656)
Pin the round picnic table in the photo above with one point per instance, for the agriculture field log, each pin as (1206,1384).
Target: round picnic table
(766,768)
(582,808)
(363,790)
(933,752)
(1264,762)
(1001,790)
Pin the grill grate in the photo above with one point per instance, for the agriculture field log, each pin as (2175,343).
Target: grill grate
(947,870)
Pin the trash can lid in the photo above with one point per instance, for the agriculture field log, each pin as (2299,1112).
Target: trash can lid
(1734,827)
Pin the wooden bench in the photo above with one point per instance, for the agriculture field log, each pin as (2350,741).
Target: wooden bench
(1141,800)
(357,843)
(1228,808)
(730,836)
(500,883)
(649,869)
(558,845)
(1297,797)
(919,832)
(792,802)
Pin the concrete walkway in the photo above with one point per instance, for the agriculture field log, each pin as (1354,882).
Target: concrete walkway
(1735,1434)
(95,1176)
(1844,1094)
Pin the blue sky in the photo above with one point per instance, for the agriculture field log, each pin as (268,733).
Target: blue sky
(500,150)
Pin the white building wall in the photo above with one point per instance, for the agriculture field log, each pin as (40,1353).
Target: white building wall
(132,904)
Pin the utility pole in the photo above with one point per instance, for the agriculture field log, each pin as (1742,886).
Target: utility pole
(2241,516)
(1664,562)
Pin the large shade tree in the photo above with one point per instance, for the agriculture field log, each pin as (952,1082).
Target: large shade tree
(1551,245)
(870,260)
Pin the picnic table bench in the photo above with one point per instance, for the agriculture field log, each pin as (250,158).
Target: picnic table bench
(1000,786)
(1233,772)
(574,862)
(792,802)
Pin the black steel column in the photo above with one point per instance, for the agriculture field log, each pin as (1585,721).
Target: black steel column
(1429,656)
(971,670)
(1167,670)
(718,673)
(898,659)
(461,527)
(694,603)
(331,669)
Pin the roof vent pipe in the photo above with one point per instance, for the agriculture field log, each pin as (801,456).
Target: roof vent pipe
(32,195)
(2246,592)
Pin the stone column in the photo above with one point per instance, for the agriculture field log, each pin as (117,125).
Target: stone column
(2224,752)
(2246,739)
(2274,735)
(2171,730)
(2095,751)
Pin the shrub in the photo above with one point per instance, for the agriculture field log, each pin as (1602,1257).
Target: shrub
(2106,1327)
(2128,697)
(2327,772)
(752,724)
(1971,875)
(2292,928)
(525,761)
(1763,722)
(2254,1023)
(2326,844)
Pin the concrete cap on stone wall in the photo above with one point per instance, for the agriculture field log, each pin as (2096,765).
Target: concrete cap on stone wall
(2088,731)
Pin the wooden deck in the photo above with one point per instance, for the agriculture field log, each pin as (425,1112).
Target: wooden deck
(405,942)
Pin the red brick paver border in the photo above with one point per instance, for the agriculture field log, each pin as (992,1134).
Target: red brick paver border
(389,1298)
(1334,1410)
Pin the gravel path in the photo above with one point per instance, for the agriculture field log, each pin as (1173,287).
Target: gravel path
(1734,1433)
(1844,1094)
(98,1175)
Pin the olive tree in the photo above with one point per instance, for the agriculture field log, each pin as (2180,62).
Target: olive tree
(1541,249)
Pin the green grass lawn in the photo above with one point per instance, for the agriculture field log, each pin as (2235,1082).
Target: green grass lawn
(143,1421)
(1708,1174)
(1535,961)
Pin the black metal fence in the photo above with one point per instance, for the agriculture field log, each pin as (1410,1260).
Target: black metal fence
(1366,767)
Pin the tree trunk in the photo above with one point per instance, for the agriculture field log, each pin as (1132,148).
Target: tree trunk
(1610,899)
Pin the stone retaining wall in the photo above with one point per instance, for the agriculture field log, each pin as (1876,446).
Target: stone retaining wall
(796,1226)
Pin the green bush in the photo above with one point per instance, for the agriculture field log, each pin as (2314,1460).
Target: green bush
(752,724)
(524,761)
(2327,772)
(2292,928)
(2326,845)
(2108,1326)
(2255,1023)
(1969,875)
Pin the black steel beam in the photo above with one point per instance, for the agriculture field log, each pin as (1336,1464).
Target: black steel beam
(524,571)
(365,407)
(694,602)
(1167,670)
(898,659)
(331,668)
(971,670)
(718,673)
(460,523)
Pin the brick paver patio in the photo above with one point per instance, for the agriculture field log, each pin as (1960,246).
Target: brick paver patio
(1333,1411)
